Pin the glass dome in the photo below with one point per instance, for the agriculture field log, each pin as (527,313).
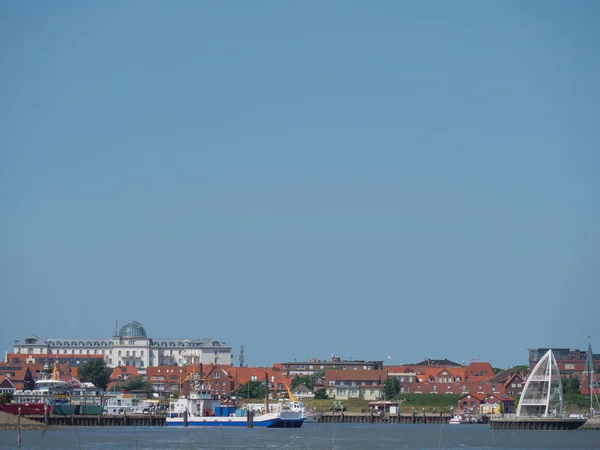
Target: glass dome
(132,329)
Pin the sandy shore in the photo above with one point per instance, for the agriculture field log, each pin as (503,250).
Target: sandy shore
(592,424)
(9,422)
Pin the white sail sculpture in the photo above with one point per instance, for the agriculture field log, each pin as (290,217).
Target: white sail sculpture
(543,394)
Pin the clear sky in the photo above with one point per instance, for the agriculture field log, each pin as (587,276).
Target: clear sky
(416,179)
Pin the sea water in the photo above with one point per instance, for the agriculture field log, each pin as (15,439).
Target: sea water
(310,436)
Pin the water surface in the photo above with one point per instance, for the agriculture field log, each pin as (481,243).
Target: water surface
(310,436)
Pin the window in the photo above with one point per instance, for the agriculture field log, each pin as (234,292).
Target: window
(131,342)
(216,375)
(119,353)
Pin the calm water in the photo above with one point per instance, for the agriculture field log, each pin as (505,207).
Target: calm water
(310,436)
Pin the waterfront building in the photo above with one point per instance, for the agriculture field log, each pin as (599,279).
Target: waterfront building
(129,346)
(303,368)
(355,384)
(571,363)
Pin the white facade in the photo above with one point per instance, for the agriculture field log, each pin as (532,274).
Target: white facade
(130,347)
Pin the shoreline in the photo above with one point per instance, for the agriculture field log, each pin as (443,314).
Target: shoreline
(8,422)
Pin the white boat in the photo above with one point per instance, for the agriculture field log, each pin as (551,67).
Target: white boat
(456,420)
(202,409)
(125,404)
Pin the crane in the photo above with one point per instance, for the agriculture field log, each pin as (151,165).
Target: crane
(292,397)
(195,377)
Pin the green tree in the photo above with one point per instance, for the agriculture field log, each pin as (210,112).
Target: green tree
(321,394)
(391,388)
(134,384)
(571,385)
(307,380)
(251,389)
(6,397)
(95,371)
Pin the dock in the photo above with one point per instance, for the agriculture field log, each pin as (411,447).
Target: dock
(103,420)
(511,422)
(353,417)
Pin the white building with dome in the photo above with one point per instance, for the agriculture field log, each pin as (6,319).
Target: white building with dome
(130,346)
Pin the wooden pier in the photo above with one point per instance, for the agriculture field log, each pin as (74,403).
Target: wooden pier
(351,417)
(125,420)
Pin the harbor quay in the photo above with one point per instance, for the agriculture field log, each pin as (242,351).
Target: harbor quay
(159,420)
(388,418)
(100,420)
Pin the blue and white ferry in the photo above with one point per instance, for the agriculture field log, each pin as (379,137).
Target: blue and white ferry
(202,409)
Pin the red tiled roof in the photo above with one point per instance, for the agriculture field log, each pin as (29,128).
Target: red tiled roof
(474,395)
(124,372)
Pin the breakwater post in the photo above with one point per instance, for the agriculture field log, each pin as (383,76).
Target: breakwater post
(19,429)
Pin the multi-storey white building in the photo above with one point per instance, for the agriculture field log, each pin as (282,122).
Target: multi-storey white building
(130,346)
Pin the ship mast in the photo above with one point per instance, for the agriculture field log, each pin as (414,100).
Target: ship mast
(589,366)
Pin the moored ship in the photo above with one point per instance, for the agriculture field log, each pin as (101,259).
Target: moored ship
(202,409)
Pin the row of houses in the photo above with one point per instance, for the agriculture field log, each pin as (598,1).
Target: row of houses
(341,380)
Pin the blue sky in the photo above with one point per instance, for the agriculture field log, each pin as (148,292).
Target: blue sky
(417,179)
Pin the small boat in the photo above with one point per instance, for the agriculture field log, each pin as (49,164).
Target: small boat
(202,409)
(457,419)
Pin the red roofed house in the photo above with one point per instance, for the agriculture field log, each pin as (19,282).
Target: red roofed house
(513,383)
(166,380)
(469,402)
(120,374)
(276,378)
(219,380)
(479,371)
